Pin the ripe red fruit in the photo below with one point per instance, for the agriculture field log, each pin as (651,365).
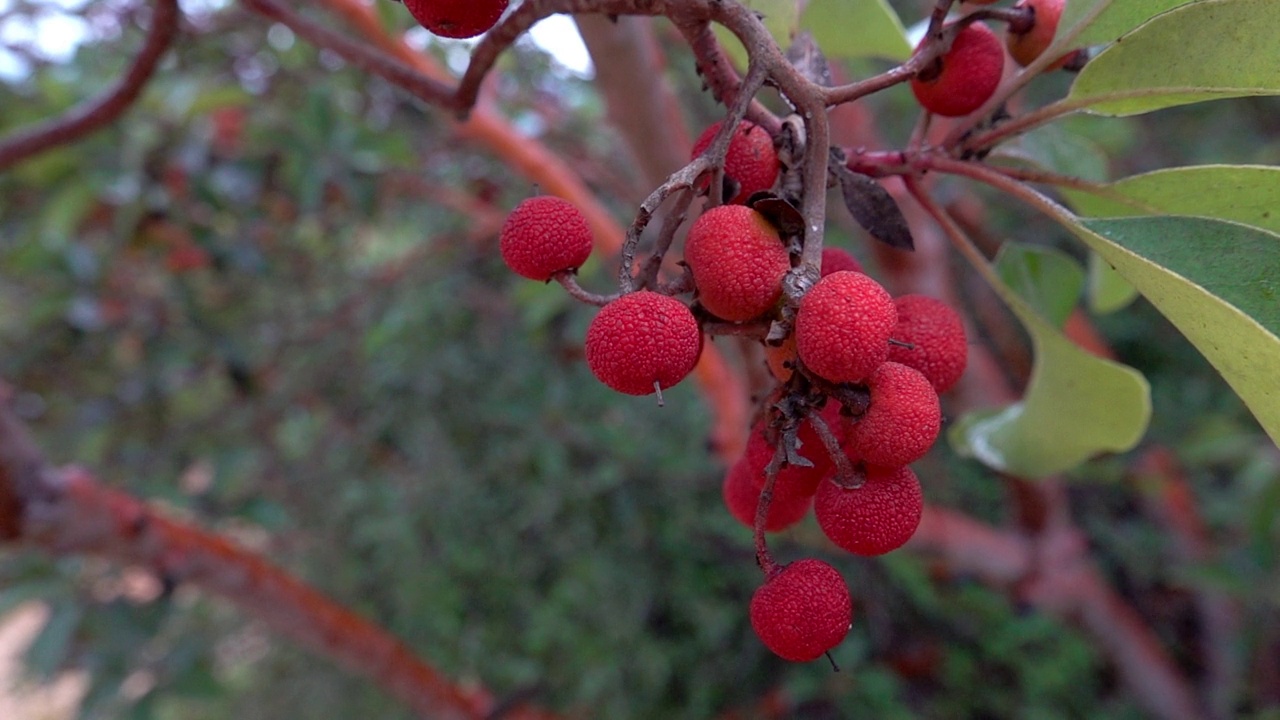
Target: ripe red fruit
(642,340)
(742,497)
(843,326)
(873,519)
(1025,47)
(543,236)
(802,610)
(750,160)
(456,18)
(965,77)
(738,262)
(940,350)
(902,421)
(835,259)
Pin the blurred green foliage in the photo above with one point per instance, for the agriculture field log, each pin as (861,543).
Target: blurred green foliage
(252,302)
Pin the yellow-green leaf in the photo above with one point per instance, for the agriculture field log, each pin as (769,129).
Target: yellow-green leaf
(1249,194)
(1120,17)
(1107,291)
(781,17)
(856,29)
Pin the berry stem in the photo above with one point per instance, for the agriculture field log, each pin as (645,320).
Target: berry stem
(568,279)
(846,475)
(763,557)
(675,218)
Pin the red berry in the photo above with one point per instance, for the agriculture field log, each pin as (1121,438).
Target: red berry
(456,18)
(965,77)
(792,479)
(843,326)
(1025,47)
(802,610)
(873,519)
(940,350)
(750,160)
(835,259)
(902,420)
(742,497)
(543,236)
(643,339)
(738,262)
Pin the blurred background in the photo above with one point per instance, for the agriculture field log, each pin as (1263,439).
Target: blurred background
(270,301)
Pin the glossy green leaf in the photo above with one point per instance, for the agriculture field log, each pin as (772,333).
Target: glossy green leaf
(1046,277)
(781,17)
(1076,405)
(1202,51)
(1121,16)
(856,29)
(1107,291)
(1249,194)
(1218,283)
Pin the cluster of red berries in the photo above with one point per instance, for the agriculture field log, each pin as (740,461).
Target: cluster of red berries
(456,18)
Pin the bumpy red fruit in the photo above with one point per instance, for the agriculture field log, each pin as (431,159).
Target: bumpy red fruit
(902,420)
(967,76)
(750,160)
(802,610)
(642,340)
(456,18)
(737,261)
(543,236)
(939,349)
(835,259)
(742,497)
(843,326)
(875,518)
(1025,47)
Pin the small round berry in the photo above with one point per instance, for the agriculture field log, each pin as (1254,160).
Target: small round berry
(802,610)
(902,420)
(742,497)
(875,518)
(738,262)
(965,77)
(843,326)
(456,18)
(641,341)
(543,236)
(750,160)
(939,349)
(835,259)
(1025,47)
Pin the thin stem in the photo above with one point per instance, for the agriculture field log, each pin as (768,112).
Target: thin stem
(763,557)
(568,279)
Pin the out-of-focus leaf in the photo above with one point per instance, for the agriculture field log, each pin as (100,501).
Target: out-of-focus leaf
(1107,291)
(1055,149)
(1118,17)
(856,29)
(781,17)
(1049,279)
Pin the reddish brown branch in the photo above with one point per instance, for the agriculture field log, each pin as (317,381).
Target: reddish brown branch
(104,109)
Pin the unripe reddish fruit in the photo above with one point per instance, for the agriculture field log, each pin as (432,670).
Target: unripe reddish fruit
(456,18)
(902,420)
(1025,47)
(781,358)
(802,610)
(939,349)
(966,76)
(742,497)
(543,236)
(843,326)
(835,259)
(875,518)
(642,340)
(738,262)
(750,161)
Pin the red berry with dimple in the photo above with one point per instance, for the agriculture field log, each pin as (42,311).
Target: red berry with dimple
(642,340)
(835,259)
(902,420)
(456,18)
(843,326)
(967,75)
(1027,46)
(742,497)
(940,350)
(543,236)
(750,160)
(802,610)
(738,262)
(875,518)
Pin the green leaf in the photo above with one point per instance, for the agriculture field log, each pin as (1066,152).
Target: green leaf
(1055,149)
(781,17)
(1203,51)
(1120,17)
(1217,282)
(1076,405)
(1107,290)
(1247,194)
(856,29)
(1049,279)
